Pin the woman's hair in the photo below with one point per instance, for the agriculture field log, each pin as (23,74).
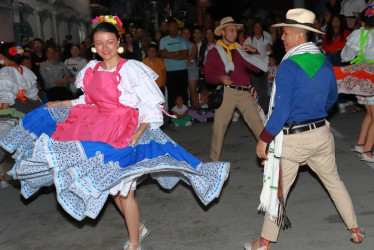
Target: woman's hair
(262,27)
(4,50)
(106,27)
(367,16)
(330,30)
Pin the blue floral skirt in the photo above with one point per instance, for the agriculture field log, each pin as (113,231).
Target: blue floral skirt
(83,172)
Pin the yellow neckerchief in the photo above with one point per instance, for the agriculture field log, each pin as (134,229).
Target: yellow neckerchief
(232,46)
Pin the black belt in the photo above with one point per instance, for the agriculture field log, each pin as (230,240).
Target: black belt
(236,87)
(290,131)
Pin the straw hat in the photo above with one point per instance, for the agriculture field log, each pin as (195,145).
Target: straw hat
(226,22)
(300,18)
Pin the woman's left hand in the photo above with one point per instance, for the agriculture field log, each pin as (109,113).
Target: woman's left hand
(135,138)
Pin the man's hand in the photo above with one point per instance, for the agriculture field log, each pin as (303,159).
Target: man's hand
(225,80)
(261,149)
(249,48)
(59,83)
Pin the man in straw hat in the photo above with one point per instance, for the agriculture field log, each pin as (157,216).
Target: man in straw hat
(305,88)
(228,64)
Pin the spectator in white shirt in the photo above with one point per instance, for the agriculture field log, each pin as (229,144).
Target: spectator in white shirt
(348,9)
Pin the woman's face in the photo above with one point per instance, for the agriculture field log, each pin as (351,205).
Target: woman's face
(186,34)
(327,17)
(106,44)
(257,29)
(209,35)
(335,23)
(197,35)
(158,36)
(128,38)
(74,51)
(152,52)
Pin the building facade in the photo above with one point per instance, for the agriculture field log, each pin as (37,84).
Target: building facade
(44,19)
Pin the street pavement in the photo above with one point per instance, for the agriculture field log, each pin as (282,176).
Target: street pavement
(178,221)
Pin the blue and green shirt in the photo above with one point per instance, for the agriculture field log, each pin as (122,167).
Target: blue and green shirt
(306,90)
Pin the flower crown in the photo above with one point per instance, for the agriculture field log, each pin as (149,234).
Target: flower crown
(369,12)
(15,50)
(109,19)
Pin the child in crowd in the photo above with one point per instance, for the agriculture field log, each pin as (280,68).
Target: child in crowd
(26,61)
(202,113)
(273,67)
(158,66)
(181,111)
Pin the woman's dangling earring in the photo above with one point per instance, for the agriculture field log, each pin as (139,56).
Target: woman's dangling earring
(93,50)
(120,50)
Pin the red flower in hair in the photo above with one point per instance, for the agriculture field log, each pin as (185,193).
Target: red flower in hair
(13,51)
(119,22)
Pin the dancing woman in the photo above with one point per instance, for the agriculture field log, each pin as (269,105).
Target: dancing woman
(18,93)
(358,78)
(103,142)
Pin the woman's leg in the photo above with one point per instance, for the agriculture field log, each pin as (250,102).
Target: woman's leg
(364,127)
(129,209)
(192,85)
(370,133)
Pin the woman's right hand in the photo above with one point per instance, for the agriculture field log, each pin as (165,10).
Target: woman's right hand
(53,104)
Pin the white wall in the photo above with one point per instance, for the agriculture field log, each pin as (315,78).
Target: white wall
(76,12)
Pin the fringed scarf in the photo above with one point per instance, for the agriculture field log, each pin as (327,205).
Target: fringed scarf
(271,198)
(261,62)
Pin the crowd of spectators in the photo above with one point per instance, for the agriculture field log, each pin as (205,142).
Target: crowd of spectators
(178,54)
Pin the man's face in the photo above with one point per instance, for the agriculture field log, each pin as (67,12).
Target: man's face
(51,54)
(173,28)
(164,26)
(290,38)
(230,33)
(139,33)
(37,46)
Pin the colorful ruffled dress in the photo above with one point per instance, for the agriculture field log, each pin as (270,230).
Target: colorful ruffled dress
(358,78)
(83,150)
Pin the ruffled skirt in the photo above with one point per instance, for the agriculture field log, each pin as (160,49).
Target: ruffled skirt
(84,172)
(357,79)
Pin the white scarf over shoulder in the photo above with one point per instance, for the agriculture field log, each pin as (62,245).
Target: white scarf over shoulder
(269,195)
(261,62)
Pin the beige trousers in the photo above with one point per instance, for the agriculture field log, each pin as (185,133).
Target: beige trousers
(243,101)
(317,149)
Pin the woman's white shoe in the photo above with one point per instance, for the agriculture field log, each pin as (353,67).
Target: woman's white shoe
(142,236)
(131,246)
(366,158)
(357,149)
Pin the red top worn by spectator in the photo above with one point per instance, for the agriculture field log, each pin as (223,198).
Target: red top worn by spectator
(336,44)
(214,68)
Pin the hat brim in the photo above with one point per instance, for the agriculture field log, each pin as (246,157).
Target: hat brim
(300,26)
(217,31)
